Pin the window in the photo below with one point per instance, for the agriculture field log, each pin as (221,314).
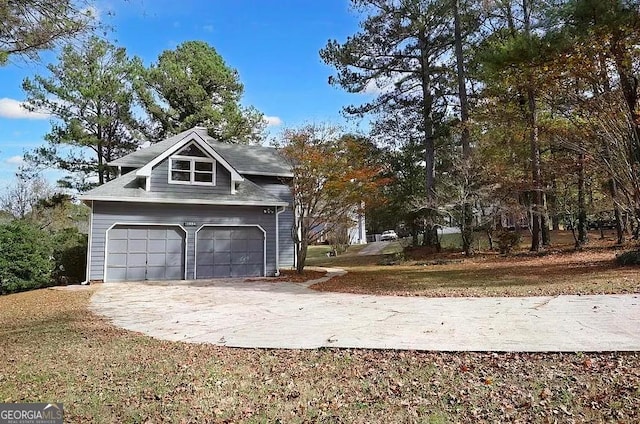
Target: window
(192,166)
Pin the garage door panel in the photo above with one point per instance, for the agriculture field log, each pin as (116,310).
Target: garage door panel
(155,273)
(174,260)
(239,259)
(136,274)
(221,272)
(136,253)
(255,258)
(117,259)
(222,258)
(202,258)
(205,246)
(117,274)
(137,233)
(118,234)
(236,252)
(137,246)
(238,246)
(222,245)
(255,245)
(159,234)
(156,259)
(205,271)
(220,234)
(118,246)
(174,273)
(136,259)
(157,246)
(253,269)
(175,246)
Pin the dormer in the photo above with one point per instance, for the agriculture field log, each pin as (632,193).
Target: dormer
(192,166)
(191,162)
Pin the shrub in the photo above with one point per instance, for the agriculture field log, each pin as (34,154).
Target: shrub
(25,257)
(70,256)
(631,257)
(507,240)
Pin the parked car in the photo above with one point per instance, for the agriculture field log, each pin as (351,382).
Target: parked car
(388,235)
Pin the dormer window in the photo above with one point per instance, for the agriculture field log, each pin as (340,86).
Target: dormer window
(192,166)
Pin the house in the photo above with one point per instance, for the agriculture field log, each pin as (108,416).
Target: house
(190,208)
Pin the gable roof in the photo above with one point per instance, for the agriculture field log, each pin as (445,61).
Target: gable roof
(244,158)
(192,136)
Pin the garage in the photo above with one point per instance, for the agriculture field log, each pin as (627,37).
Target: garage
(145,252)
(223,252)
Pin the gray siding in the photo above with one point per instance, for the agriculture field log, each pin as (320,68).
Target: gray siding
(279,187)
(287,247)
(106,214)
(160,181)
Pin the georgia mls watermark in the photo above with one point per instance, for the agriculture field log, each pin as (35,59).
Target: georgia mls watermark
(31,413)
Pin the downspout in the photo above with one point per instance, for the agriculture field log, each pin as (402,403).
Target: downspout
(278,212)
(88,270)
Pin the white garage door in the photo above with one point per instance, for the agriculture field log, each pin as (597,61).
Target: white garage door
(137,253)
(230,252)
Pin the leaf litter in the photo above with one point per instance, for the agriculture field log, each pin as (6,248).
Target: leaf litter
(54,349)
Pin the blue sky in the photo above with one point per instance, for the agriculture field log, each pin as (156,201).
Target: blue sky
(273,44)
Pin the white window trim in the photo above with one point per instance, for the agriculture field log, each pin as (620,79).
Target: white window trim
(192,170)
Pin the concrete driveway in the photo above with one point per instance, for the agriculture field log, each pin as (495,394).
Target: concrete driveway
(286,315)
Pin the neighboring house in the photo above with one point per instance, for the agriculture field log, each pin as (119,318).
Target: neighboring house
(189,208)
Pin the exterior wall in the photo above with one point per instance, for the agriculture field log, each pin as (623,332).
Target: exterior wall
(278,187)
(106,214)
(160,181)
(358,233)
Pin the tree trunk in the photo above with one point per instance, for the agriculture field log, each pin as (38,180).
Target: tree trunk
(582,203)
(431,235)
(301,239)
(618,216)
(613,185)
(552,198)
(302,256)
(534,145)
(467,207)
(536,174)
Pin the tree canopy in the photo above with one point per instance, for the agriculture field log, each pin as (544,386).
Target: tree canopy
(334,177)
(90,94)
(30,26)
(192,85)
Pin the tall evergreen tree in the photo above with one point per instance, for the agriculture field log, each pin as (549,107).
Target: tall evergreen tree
(192,85)
(89,94)
(400,53)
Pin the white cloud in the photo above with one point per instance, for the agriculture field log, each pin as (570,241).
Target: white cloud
(14,109)
(208,28)
(383,85)
(273,121)
(15,160)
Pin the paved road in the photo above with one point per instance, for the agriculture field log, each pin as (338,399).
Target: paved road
(374,248)
(286,315)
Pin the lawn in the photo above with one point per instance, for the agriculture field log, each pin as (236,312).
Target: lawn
(54,349)
(558,270)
